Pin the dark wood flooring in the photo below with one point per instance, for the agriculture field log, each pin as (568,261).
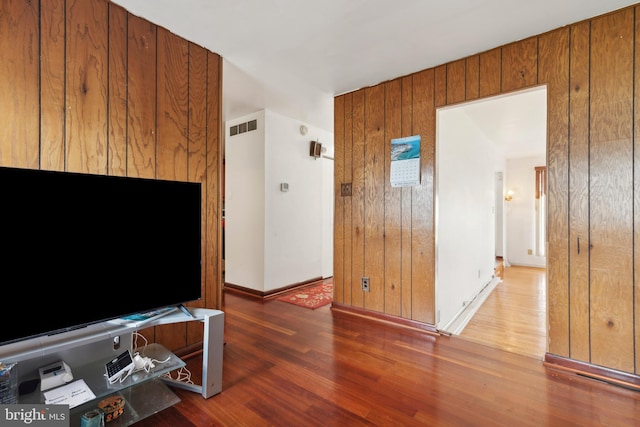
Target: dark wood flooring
(290,366)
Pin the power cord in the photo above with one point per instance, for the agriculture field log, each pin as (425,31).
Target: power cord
(145,363)
(142,362)
(122,375)
(182,375)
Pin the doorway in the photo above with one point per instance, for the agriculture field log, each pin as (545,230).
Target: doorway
(477,142)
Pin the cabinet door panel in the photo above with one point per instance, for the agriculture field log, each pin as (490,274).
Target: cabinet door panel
(611,191)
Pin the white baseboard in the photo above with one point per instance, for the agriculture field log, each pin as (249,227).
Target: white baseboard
(460,320)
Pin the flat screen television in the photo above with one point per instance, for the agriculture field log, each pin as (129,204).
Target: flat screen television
(79,249)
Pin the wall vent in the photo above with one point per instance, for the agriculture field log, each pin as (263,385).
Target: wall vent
(243,127)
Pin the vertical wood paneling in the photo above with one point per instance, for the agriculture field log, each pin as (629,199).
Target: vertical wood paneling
(422,220)
(197,116)
(172,98)
(197,136)
(52,86)
(19,63)
(392,203)
(117,144)
(213,251)
(441,86)
(141,98)
(554,72)
(579,194)
(590,308)
(490,76)
(611,184)
(456,80)
(519,64)
(197,161)
(98,90)
(357,206)
(406,203)
(374,185)
(86,86)
(96,110)
(636,193)
(171,140)
(338,203)
(173,103)
(472,77)
(348,201)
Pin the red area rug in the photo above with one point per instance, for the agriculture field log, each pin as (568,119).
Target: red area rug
(312,298)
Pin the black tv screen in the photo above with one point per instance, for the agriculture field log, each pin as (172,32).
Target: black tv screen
(78,249)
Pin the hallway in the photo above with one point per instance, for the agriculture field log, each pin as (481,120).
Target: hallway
(513,317)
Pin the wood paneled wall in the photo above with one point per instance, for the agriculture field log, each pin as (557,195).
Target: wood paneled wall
(592,77)
(88,87)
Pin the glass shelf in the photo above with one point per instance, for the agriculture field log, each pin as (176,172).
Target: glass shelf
(141,401)
(144,392)
(87,350)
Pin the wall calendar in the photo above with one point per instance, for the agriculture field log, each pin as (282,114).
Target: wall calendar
(405,161)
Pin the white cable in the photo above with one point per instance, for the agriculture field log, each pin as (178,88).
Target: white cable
(137,335)
(149,363)
(141,362)
(120,378)
(182,375)
(124,377)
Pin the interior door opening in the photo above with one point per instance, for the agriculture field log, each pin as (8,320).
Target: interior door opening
(476,143)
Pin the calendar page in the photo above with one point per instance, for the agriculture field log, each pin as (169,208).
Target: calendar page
(405,161)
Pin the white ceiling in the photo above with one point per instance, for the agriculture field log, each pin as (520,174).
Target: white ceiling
(294,56)
(516,122)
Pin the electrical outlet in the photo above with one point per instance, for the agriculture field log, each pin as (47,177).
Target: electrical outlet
(345,189)
(365,284)
(530,251)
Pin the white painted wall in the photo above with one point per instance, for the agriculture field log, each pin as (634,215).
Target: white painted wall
(466,168)
(292,240)
(474,141)
(245,204)
(520,211)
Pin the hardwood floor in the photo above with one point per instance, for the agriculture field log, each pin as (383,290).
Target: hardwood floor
(513,317)
(290,366)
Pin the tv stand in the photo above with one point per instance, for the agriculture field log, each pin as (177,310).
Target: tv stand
(185,310)
(213,346)
(86,351)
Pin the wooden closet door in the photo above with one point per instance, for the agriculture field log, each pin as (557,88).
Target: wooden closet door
(611,310)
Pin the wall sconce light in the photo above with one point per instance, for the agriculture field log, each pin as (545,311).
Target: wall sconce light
(508,196)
